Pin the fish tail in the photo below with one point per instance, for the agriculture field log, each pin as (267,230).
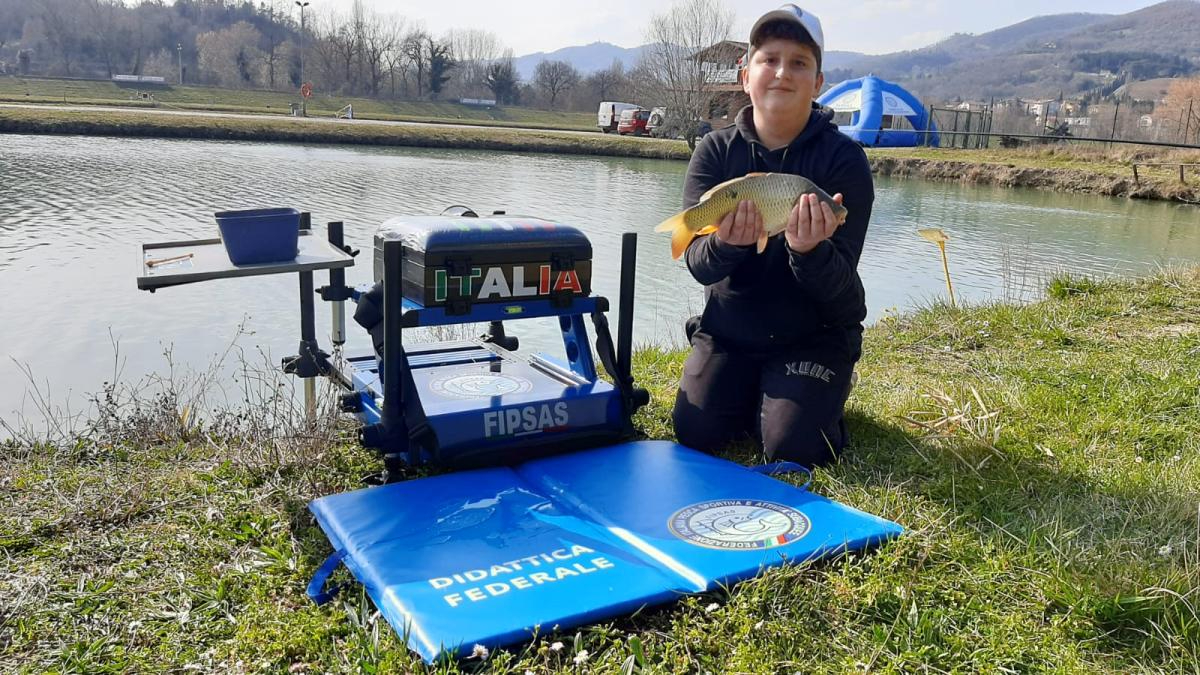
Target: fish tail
(681,234)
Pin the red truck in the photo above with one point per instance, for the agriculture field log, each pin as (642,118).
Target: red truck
(633,122)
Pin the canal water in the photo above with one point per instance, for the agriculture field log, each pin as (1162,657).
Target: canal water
(74,210)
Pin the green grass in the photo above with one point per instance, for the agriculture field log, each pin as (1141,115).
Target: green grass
(150,124)
(1115,161)
(87,92)
(1044,459)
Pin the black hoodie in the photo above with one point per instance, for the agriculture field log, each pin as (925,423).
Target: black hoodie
(781,298)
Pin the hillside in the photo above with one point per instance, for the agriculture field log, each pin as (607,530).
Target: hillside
(600,55)
(1071,53)
(1039,57)
(585,58)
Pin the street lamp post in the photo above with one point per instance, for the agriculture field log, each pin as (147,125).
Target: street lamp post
(303,101)
(179,51)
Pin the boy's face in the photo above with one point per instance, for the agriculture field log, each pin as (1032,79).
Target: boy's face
(782,77)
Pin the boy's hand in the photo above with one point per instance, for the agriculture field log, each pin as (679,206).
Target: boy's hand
(810,223)
(742,226)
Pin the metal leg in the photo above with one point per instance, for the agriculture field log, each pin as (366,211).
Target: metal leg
(310,400)
(337,292)
(310,362)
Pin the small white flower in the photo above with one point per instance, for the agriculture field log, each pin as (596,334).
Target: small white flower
(1164,550)
(759,625)
(479,652)
(712,608)
(1176,458)
(528,672)
(1138,459)
(557,646)
(581,658)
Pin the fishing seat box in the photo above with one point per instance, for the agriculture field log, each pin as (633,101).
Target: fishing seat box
(457,261)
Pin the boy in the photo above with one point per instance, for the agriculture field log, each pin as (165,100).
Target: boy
(774,351)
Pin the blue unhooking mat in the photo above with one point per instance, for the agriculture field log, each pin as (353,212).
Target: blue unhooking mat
(495,556)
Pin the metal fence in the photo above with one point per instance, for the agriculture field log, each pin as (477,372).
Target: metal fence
(992,126)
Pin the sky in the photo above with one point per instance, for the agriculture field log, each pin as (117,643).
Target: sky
(868,26)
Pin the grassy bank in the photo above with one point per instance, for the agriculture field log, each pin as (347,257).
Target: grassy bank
(1061,168)
(296,130)
(91,92)
(1045,459)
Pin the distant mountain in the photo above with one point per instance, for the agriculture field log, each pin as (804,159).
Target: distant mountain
(600,55)
(586,59)
(1035,58)
(836,59)
(1046,55)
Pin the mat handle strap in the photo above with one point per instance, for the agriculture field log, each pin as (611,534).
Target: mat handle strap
(779,468)
(321,576)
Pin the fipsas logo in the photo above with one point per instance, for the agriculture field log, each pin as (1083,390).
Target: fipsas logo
(530,419)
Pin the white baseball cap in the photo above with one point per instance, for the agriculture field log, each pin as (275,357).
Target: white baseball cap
(789,12)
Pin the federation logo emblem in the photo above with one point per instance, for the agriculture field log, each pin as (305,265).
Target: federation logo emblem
(479,385)
(739,524)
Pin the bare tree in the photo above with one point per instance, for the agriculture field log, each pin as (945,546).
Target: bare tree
(325,69)
(273,37)
(608,84)
(414,52)
(161,63)
(1181,109)
(473,51)
(675,75)
(555,78)
(345,45)
(231,56)
(377,36)
(144,30)
(395,60)
(63,32)
(103,22)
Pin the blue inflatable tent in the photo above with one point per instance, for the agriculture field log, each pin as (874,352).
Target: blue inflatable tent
(876,107)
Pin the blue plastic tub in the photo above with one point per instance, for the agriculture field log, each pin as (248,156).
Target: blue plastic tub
(256,236)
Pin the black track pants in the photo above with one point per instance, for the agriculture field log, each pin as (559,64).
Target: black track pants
(791,400)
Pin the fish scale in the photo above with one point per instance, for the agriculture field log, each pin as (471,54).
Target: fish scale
(773,194)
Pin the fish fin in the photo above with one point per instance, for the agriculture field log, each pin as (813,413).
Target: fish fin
(707,229)
(718,186)
(671,223)
(680,238)
(762,242)
(681,234)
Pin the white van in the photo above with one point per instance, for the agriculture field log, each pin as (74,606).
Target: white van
(610,113)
